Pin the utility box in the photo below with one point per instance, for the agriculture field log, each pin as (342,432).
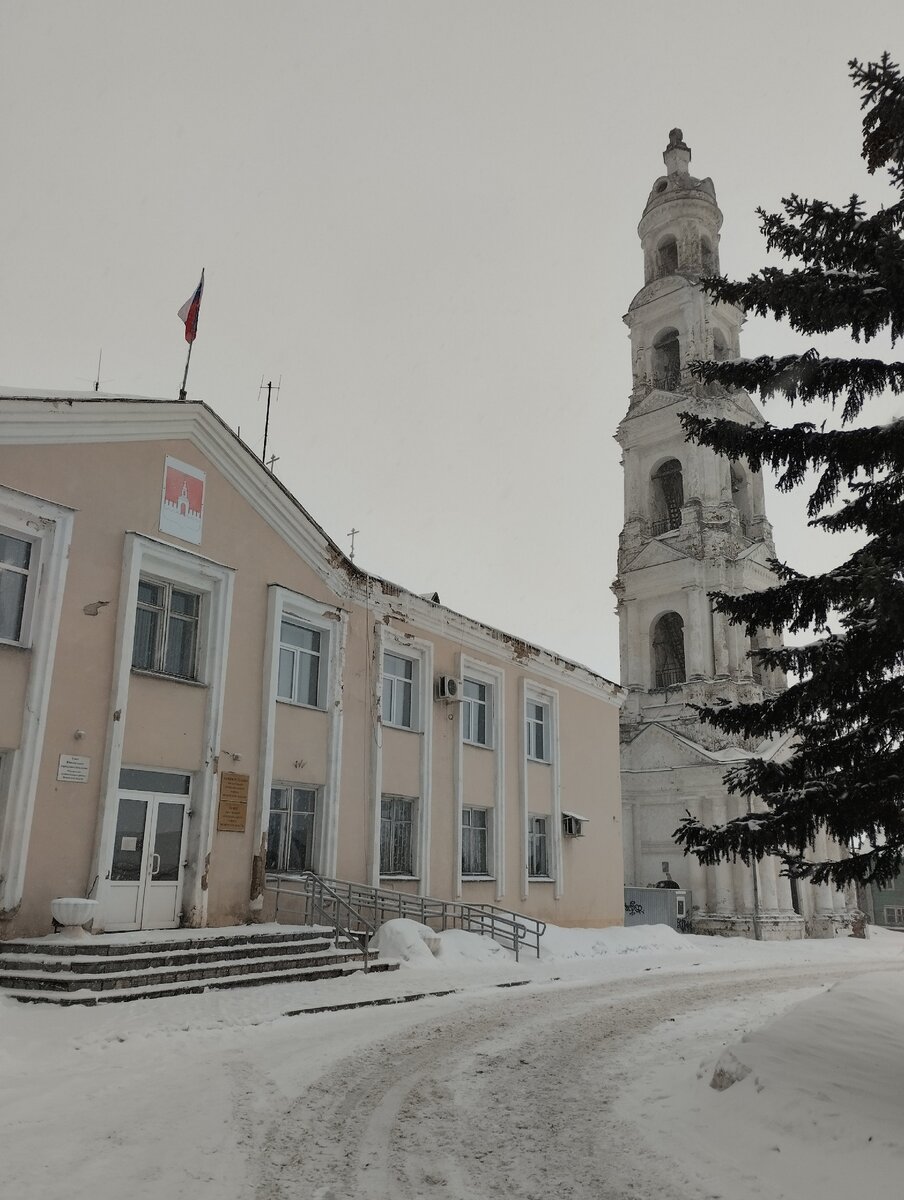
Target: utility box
(658,906)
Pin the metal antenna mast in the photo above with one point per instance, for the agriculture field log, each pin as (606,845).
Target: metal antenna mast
(270,391)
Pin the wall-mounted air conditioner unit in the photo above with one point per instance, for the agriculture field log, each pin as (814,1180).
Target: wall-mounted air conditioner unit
(448,688)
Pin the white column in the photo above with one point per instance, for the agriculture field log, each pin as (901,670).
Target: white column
(637,826)
(744,887)
(783,889)
(694,650)
(697,877)
(723,871)
(720,643)
(768,879)
(825,905)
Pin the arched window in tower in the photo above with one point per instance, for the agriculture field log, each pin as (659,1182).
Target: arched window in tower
(668,651)
(707,260)
(740,495)
(667,254)
(666,497)
(666,360)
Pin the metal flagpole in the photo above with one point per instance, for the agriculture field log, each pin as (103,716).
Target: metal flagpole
(185,376)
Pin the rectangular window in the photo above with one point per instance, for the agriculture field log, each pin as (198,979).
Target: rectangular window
(537,731)
(15,570)
(894,915)
(399,679)
(537,847)
(300,655)
(396,836)
(166,629)
(474,829)
(290,834)
(475,712)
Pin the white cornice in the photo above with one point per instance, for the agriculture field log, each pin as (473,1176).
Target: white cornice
(52,420)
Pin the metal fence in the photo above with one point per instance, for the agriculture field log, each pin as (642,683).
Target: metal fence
(308,897)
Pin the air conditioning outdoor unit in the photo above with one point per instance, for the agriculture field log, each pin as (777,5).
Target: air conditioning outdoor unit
(448,688)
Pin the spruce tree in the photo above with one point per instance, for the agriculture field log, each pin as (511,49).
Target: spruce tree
(846,705)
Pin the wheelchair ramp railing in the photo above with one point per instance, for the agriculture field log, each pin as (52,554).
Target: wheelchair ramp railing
(358,910)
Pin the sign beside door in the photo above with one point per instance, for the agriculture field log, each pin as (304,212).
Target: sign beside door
(233,810)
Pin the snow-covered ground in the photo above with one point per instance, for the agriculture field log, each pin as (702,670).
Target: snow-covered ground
(586,1074)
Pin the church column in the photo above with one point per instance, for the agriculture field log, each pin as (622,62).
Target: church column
(637,834)
(768,880)
(697,880)
(695,650)
(724,872)
(783,889)
(720,643)
(825,905)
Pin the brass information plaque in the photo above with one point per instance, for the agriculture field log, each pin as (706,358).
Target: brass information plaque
(233,809)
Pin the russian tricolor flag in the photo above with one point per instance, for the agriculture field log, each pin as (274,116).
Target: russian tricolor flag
(189,312)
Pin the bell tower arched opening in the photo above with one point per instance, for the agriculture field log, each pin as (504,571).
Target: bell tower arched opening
(668,651)
(666,257)
(667,360)
(666,497)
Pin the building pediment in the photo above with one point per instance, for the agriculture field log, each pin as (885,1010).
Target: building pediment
(656,554)
(657,746)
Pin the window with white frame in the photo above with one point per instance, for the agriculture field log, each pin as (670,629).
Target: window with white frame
(290,832)
(167,624)
(399,690)
(538,847)
(397,817)
(476,712)
(538,731)
(475,824)
(894,914)
(16,575)
(302,661)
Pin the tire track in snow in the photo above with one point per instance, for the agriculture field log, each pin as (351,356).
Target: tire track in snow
(508,1096)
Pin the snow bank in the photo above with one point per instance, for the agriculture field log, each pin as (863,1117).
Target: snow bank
(408,941)
(559,943)
(819,1088)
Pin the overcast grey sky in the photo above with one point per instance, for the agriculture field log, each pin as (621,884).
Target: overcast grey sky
(422,216)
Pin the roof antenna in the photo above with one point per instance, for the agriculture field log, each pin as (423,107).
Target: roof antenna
(97,379)
(270,396)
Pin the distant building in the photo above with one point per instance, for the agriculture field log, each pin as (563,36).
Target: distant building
(197,687)
(884,906)
(695,523)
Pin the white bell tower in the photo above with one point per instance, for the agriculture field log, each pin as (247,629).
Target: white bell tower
(695,523)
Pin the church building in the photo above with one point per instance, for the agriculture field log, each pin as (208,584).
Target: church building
(695,523)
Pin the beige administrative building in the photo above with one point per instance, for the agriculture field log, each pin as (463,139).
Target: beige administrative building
(198,689)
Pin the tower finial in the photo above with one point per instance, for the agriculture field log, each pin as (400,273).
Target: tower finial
(677,154)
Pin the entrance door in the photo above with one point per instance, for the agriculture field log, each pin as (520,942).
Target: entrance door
(145,888)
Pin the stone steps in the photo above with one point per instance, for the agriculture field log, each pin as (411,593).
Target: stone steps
(99,971)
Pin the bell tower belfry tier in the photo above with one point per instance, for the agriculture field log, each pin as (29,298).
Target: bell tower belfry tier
(695,522)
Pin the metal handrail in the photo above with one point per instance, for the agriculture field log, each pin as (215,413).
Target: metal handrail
(315,887)
(509,928)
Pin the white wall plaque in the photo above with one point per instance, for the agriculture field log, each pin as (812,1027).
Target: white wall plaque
(73,768)
(182,502)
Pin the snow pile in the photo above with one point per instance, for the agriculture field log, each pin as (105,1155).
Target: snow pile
(408,941)
(560,943)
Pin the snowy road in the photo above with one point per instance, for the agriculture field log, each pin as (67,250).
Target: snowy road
(517,1095)
(589,1081)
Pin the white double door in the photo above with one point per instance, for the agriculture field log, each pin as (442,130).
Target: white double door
(146,875)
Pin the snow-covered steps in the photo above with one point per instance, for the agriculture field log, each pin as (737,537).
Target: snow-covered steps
(129,967)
